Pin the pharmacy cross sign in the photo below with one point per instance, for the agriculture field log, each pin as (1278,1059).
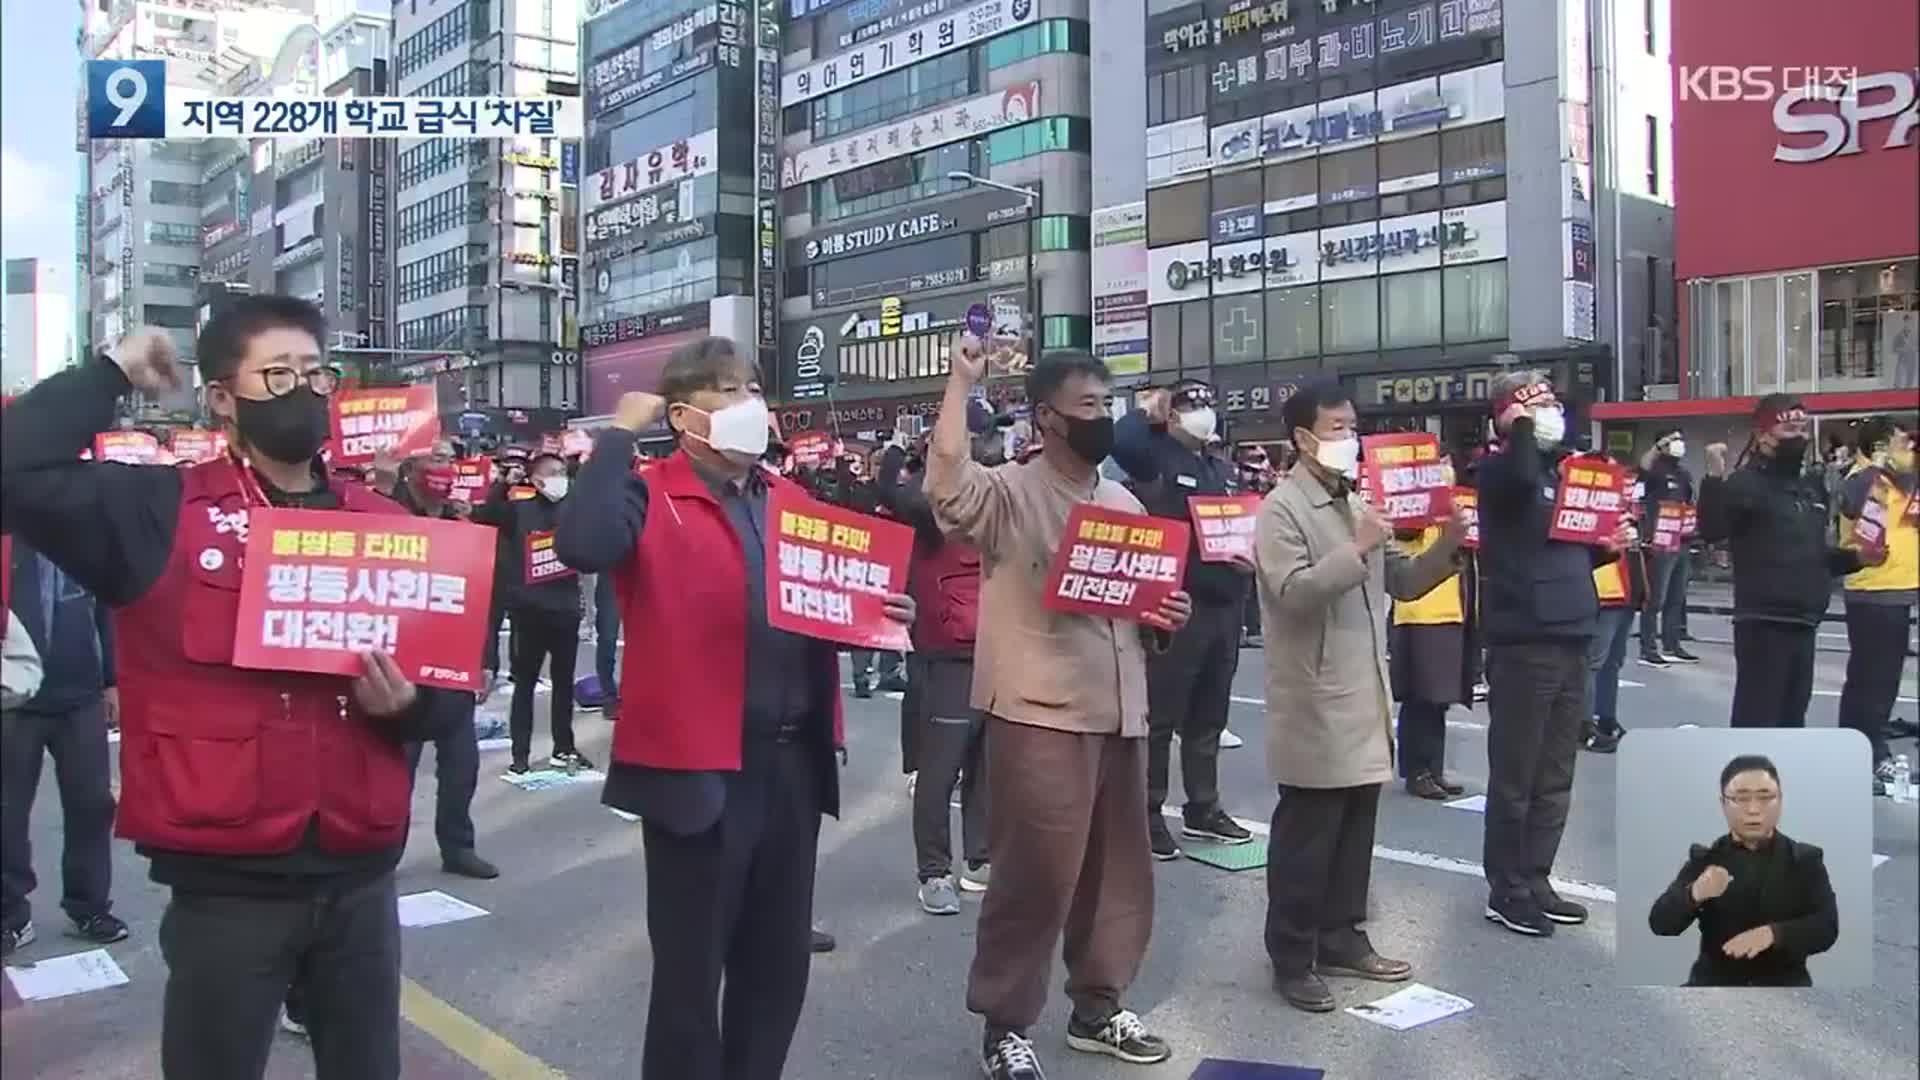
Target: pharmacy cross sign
(1237,333)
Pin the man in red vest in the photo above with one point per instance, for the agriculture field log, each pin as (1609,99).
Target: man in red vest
(274,804)
(726,745)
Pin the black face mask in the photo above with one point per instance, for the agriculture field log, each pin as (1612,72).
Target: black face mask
(288,429)
(1789,454)
(1090,438)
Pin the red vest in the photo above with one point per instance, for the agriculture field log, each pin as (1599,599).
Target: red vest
(221,760)
(945,583)
(683,611)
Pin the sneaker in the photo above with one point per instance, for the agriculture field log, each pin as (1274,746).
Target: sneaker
(975,878)
(571,761)
(1121,1035)
(939,897)
(1604,741)
(1010,1057)
(1884,776)
(1217,826)
(1481,690)
(862,688)
(1522,915)
(465,862)
(1425,786)
(1558,908)
(1230,741)
(16,937)
(291,1026)
(1679,655)
(893,683)
(1161,838)
(1655,660)
(101,929)
(913,782)
(822,942)
(519,768)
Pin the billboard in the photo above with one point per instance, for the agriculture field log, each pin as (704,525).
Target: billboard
(1120,287)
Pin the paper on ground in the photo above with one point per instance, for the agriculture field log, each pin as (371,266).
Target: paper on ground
(623,815)
(502,743)
(1475,803)
(543,779)
(75,973)
(1879,858)
(1405,1009)
(435,907)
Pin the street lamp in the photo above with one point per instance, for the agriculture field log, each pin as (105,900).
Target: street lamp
(1030,199)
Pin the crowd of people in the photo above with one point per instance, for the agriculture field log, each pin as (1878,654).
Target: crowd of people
(274,805)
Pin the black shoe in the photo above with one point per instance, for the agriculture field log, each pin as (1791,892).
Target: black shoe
(1679,655)
(822,941)
(1884,775)
(1369,966)
(1121,1035)
(464,862)
(519,768)
(1217,826)
(1447,785)
(862,688)
(16,937)
(1161,837)
(1253,641)
(1654,660)
(570,761)
(101,929)
(894,683)
(1522,915)
(1008,1055)
(1558,908)
(1425,786)
(1603,741)
(1306,991)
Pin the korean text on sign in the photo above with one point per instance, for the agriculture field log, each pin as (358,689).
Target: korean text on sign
(1466,498)
(369,422)
(471,478)
(1870,528)
(830,570)
(1116,564)
(126,447)
(542,564)
(1410,481)
(1670,526)
(204,117)
(1592,496)
(1224,525)
(320,586)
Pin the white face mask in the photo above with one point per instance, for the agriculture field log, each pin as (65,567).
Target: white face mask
(739,430)
(1549,425)
(1340,456)
(1677,448)
(1199,423)
(554,487)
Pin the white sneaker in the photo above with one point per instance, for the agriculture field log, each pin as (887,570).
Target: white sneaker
(1230,741)
(937,897)
(913,780)
(291,1026)
(975,880)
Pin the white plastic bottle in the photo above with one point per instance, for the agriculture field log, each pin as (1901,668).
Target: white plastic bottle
(1902,779)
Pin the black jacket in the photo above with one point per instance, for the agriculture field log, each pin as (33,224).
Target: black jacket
(1666,480)
(71,631)
(1775,524)
(1784,885)
(1164,473)
(1531,588)
(515,518)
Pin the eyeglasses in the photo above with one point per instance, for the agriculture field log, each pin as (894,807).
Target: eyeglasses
(281,381)
(1767,799)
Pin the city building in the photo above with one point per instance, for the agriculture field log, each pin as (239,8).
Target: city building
(36,323)
(1410,195)
(1797,229)
(934,154)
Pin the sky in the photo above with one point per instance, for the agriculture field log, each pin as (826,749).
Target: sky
(39,171)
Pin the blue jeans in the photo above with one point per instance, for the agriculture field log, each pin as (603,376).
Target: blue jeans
(1664,617)
(606,629)
(1605,653)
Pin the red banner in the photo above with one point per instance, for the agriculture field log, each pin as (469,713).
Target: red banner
(320,586)
(1224,524)
(1593,495)
(1408,478)
(397,420)
(811,449)
(542,565)
(577,443)
(1691,526)
(830,570)
(1870,528)
(1115,564)
(552,443)
(1670,526)
(193,445)
(126,447)
(1468,499)
(471,478)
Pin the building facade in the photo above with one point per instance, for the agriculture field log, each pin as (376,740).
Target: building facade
(36,323)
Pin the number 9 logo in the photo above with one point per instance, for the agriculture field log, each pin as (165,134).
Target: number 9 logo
(128,101)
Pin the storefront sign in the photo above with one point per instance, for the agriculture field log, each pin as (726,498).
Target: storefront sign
(1390,242)
(830,571)
(1239,223)
(635,327)
(1318,43)
(1422,389)
(1119,257)
(664,205)
(766,158)
(212,235)
(880,55)
(610,100)
(969,214)
(305,250)
(1239,266)
(1116,565)
(621,68)
(867,19)
(936,264)
(961,120)
(696,156)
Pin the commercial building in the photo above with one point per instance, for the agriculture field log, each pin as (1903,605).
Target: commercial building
(36,323)
(1797,227)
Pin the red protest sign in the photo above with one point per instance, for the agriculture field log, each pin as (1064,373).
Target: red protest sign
(542,565)
(1468,499)
(1870,528)
(811,449)
(830,570)
(552,443)
(471,477)
(1115,564)
(1593,495)
(395,420)
(1670,526)
(577,443)
(193,445)
(318,586)
(126,447)
(1411,482)
(1224,524)
(1690,527)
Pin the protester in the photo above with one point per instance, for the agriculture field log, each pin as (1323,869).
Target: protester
(1774,519)
(20,672)
(606,644)
(1621,588)
(1880,598)
(1066,703)
(274,804)
(69,717)
(1663,620)
(1430,665)
(1256,477)
(510,465)
(1324,566)
(727,744)
(1538,605)
(1162,446)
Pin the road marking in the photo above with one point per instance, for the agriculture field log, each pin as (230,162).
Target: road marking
(467,1037)
(1463,725)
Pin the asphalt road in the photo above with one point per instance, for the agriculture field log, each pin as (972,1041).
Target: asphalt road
(554,979)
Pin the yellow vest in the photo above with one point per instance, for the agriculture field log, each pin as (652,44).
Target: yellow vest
(1902,568)
(1440,607)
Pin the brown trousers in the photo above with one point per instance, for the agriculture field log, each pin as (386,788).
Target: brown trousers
(1067,829)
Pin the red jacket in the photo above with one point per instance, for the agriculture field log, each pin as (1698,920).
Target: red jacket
(221,760)
(683,611)
(945,583)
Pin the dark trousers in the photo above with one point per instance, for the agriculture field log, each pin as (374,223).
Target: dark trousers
(1772,673)
(1253,612)
(1605,655)
(456,772)
(1189,689)
(733,906)
(1876,660)
(871,663)
(551,638)
(1537,704)
(606,631)
(78,742)
(1319,866)
(232,959)
(949,753)
(490,653)
(1423,739)
(1663,616)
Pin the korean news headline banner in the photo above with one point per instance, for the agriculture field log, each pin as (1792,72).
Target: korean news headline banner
(1224,524)
(398,421)
(320,586)
(830,570)
(1410,480)
(1116,564)
(1591,500)
(130,99)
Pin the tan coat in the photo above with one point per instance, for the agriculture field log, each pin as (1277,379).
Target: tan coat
(1323,612)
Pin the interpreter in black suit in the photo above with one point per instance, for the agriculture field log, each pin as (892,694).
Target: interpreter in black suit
(1763,899)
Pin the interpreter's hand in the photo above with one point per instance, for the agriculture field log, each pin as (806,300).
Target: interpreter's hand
(1370,527)
(1749,944)
(1717,459)
(1711,883)
(968,359)
(1172,614)
(901,608)
(638,410)
(150,361)
(1458,524)
(110,706)
(383,690)
(488,678)
(1158,405)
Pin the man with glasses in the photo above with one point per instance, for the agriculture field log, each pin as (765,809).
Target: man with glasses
(1762,899)
(273,804)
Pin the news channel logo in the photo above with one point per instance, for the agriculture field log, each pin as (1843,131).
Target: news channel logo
(126,99)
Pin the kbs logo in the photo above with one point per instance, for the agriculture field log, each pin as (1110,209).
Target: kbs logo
(1758,82)
(429,671)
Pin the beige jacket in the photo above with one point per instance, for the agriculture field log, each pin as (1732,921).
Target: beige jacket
(1033,665)
(1323,612)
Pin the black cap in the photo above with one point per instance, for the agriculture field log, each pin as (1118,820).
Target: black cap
(1191,392)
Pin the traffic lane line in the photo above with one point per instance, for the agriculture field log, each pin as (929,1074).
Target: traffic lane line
(473,1041)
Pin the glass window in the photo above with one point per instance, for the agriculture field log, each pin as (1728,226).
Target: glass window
(1472,153)
(1039,137)
(654,121)
(1296,183)
(1350,175)
(891,183)
(1177,215)
(1053,35)
(1241,188)
(1293,322)
(1163,348)
(1196,333)
(1763,299)
(1412,303)
(1406,164)
(895,94)
(1731,307)
(1476,302)
(1176,94)
(1237,328)
(1797,327)
(1350,315)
